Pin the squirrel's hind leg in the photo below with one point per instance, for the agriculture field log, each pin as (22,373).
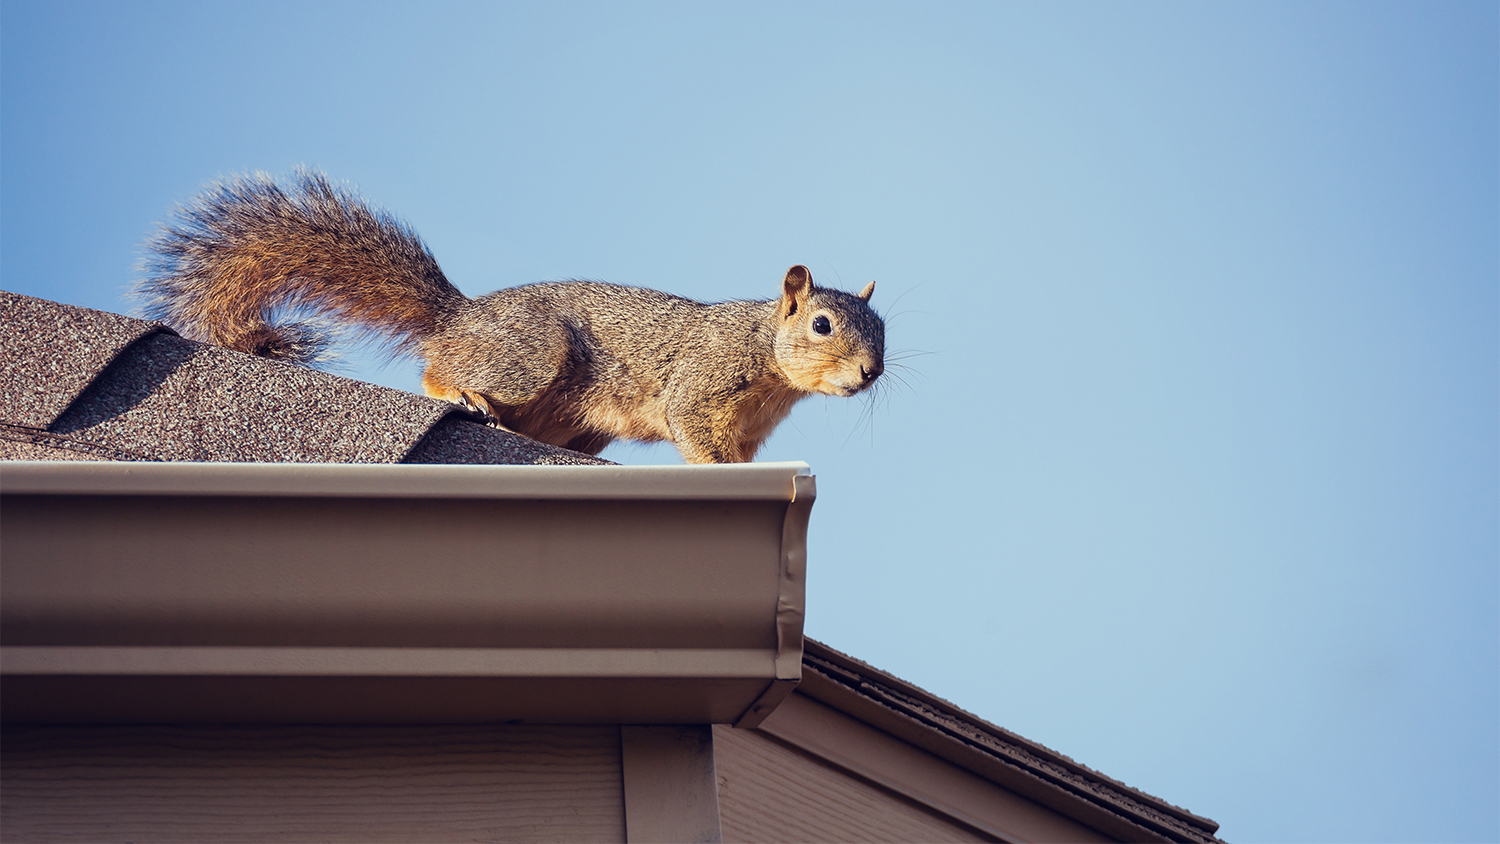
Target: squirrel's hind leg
(498,353)
(545,416)
(479,404)
(467,399)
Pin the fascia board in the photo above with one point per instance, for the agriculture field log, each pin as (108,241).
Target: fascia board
(537,594)
(1029,769)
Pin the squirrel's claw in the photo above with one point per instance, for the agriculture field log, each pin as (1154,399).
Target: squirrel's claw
(476,404)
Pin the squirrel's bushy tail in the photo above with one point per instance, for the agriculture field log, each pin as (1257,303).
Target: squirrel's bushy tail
(248,248)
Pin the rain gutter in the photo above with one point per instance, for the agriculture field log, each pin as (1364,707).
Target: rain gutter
(356,593)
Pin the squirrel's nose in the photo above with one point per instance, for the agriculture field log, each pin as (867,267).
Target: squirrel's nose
(871,373)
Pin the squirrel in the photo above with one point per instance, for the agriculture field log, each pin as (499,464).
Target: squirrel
(576,364)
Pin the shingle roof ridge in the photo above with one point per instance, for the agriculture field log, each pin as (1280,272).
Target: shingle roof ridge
(50,353)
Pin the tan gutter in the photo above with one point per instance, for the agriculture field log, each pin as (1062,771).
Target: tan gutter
(137,592)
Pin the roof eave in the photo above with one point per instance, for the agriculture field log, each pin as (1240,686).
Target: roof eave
(1027,768)
(384,594)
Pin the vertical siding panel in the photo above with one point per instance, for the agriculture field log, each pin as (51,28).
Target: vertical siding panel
(770,792)
(318,783)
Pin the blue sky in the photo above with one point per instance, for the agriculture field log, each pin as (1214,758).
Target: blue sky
(1192,474)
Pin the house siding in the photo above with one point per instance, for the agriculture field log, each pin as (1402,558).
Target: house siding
(769,791)
(323,783)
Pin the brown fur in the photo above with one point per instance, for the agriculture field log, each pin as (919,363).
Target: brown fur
(576,364)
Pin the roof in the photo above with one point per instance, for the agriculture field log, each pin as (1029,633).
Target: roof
(1040,773)
(80,384)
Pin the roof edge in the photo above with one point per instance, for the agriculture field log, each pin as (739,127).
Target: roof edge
(921,718)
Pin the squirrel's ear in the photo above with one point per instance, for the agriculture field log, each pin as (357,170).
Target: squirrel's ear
(795,289)
(865,294)
(798,282)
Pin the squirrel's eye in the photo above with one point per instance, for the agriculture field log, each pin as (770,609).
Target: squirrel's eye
(822,325)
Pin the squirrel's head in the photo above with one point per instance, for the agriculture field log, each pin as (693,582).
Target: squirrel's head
(827,341)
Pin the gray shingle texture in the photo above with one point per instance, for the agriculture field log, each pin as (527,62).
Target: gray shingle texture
(107,387)
(49,353)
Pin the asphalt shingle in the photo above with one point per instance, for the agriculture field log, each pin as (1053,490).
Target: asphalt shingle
(110,387)
(50,353)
